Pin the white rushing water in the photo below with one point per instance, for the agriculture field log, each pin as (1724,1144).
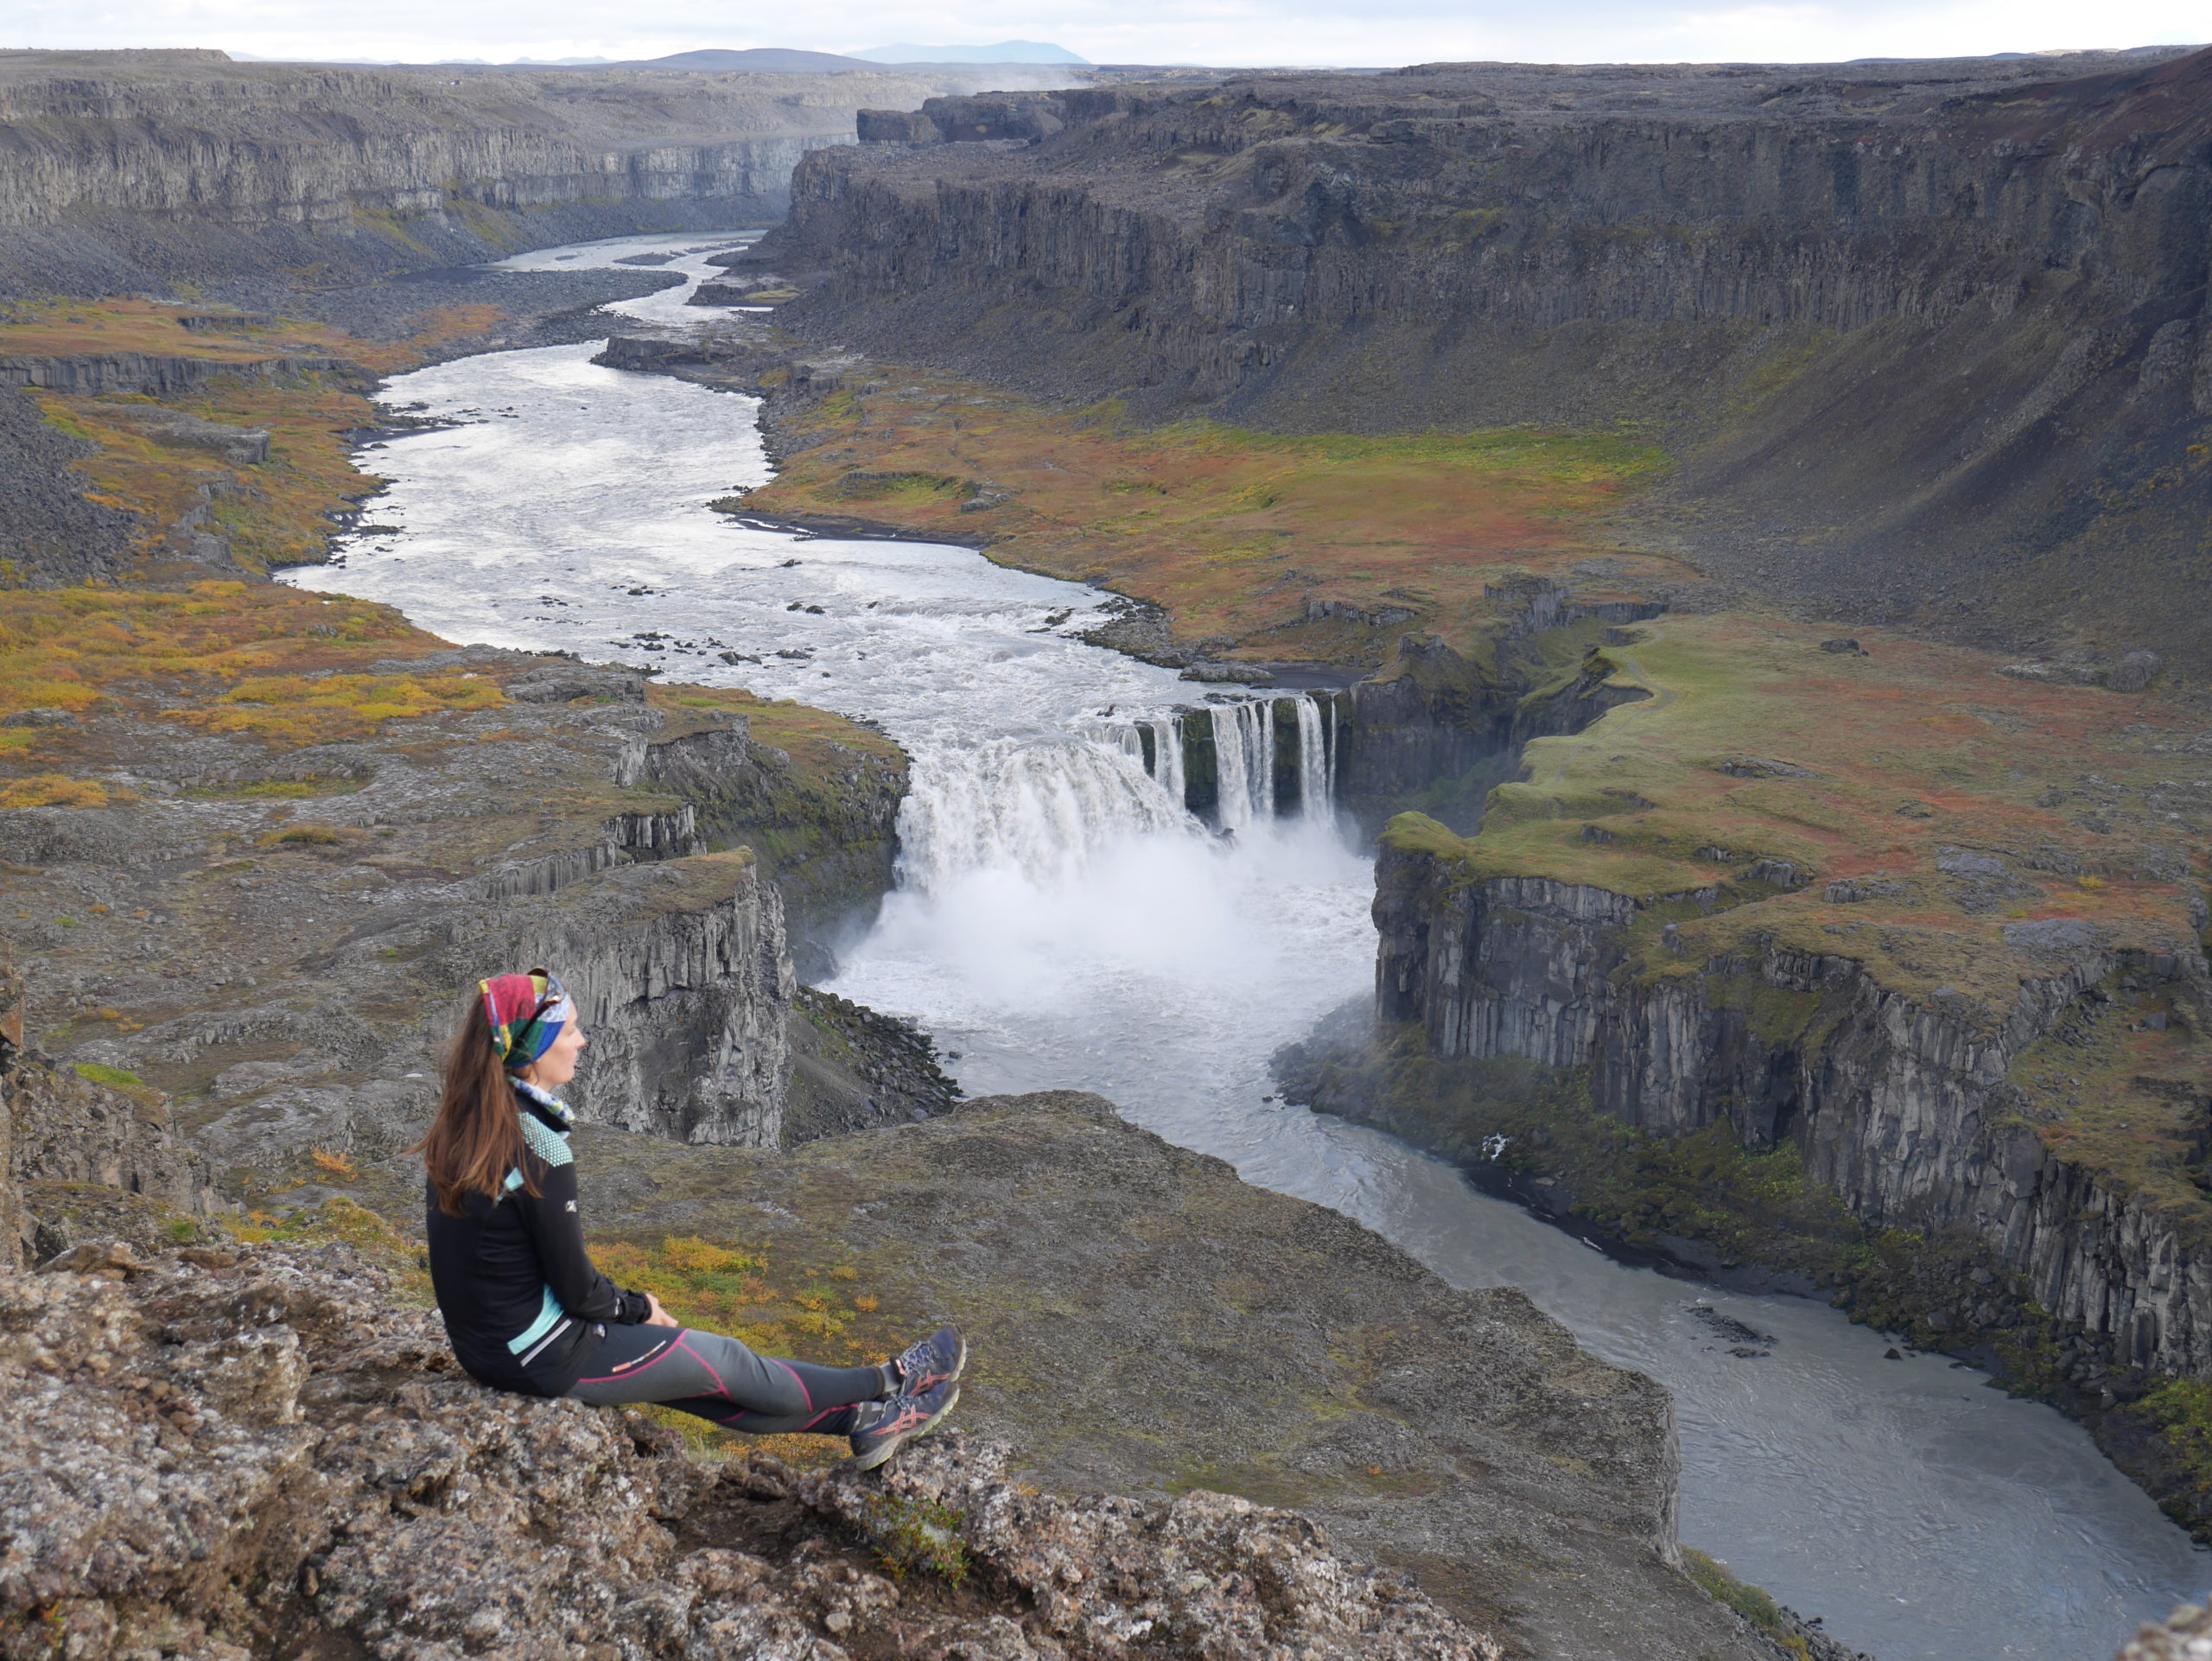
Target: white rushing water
(1061,922)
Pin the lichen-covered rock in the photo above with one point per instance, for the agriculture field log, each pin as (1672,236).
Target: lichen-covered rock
(1208,1575)
(223,1452)
(2185,1635)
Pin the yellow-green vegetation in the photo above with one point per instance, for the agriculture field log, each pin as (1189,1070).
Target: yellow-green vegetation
(270,512)
(1747,1601)
(114,1077)
(1759,768)
(1233,531)
(913,1536)
(56,790)
(158,328)
(813,738)
(281,666)
(778,1307)
(2181,1408)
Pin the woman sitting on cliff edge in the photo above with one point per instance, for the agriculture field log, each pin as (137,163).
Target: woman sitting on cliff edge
(526,1311)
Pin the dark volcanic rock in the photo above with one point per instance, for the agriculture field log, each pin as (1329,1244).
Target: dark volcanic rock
(50,534)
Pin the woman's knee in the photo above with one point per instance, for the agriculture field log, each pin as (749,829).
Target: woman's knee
(751,1381)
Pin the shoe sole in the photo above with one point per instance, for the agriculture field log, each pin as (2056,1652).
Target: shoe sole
(875,1456)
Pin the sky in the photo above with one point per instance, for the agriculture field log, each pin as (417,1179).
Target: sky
(1219,32)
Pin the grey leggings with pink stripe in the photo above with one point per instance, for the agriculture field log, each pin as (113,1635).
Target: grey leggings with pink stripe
(719,1378)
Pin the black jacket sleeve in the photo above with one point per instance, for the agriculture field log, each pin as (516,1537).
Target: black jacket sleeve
(558,1233)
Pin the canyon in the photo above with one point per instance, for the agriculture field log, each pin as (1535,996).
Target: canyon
(256,839)
(1892,328)
(1528,439)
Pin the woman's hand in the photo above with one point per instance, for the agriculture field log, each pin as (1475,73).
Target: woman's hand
(659,1317)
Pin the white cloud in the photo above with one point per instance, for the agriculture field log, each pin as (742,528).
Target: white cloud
(1366,32)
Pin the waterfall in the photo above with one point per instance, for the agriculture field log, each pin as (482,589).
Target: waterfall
(1041,807)
(1244,762)
(1167,746)
(1244,733)
(1314,774)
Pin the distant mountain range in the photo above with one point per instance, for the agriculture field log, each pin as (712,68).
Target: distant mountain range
(758,59)
(1004,52)
(769,59)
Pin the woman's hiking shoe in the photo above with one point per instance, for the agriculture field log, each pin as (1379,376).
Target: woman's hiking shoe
(898,1421)
(940,1359)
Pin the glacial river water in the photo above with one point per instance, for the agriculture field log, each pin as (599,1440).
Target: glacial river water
(1062,923)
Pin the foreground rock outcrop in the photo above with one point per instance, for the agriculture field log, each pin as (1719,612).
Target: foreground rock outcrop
(223,1449)
(223,1452)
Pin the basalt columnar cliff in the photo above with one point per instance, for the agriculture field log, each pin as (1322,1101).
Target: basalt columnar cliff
(1923,341)
(123,171)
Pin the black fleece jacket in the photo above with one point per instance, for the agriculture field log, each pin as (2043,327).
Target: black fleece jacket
(516,1286)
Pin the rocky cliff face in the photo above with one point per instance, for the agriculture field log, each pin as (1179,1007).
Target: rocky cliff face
(686,985)
(1903,1105)
(280,939)
(828,833)
(1905,327)
(123,171)
(69,1137)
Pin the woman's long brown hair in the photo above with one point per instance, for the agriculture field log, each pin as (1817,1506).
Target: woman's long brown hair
(477,1137)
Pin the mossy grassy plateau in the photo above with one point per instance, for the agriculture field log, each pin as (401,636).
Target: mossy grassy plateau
(1234,531)
(273,664)
(1907,810)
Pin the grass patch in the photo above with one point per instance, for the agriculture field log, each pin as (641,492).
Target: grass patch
(113,1078)
(52,790)
(1770,775)
(1715,1579)
(733,1288)
(309,836)
(914,1537)
(2181,1410)
(257,660)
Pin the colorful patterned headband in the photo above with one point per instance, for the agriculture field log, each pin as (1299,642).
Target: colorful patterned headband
(527,1012)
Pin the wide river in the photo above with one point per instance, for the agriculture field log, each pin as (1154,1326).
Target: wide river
(1061,923)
